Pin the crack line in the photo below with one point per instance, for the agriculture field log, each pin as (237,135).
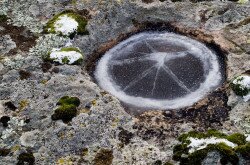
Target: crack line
(141,76)
(130,60)
(175,78)
(156,76)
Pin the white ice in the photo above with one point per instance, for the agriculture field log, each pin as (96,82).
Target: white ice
(66,25)
(210,60)
(58,56)
(198,144)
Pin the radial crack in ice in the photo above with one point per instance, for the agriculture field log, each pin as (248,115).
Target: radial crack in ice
(137,79)
(196,50)
(175,78)
(150,47)
(130,60)
(156,76)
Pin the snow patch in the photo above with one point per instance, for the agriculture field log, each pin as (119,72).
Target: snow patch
(66,25)
(248,138)
(198,144)
(72,56)
(243,81)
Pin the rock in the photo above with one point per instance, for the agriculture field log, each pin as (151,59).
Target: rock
(6,44)
(147,137)
(28,139)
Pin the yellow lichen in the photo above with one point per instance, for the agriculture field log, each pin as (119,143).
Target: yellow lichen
(64,161)
(23,104)
(84,110)
(93,102)
(44,82)
(15,148)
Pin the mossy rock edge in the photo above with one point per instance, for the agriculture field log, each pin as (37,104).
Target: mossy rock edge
(227,153)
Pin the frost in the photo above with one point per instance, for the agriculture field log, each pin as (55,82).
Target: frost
(66,25)
(159,70)
(198,144)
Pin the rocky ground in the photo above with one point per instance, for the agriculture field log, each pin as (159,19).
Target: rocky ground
(104,131)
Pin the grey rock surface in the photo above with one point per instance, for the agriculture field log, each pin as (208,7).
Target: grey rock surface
(102,121)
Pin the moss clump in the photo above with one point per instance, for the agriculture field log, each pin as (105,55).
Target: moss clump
(68,49)
(26,158)
(244,150)
(3,18)
(237,138)
(67,109)
(4,120)
(199,135)
(225,151)
(4,151)
(82,23)
(228,154)
(238,88)
(66,100)
(157,162)
(104,157)
(24,74)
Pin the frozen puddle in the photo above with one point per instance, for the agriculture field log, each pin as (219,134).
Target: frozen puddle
(159,70)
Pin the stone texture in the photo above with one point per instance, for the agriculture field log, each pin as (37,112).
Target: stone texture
(149,136)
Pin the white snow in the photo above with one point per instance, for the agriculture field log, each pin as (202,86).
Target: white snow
(248,138)
(210,60)
(244,83)
(246,98)
(198,144)
(66,25)
(58,56)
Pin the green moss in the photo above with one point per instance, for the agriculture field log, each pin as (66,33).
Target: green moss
(179,150)
(228,154)
(157,162)
(3,18)
(4,151)
(244,150)
(237,138)
(67,109)
(82,23)
(104,157)
(65,113)
(68,49)
(66,100)
(198,156)
(65,60)
(199,135)
(26,158)
(239,89)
